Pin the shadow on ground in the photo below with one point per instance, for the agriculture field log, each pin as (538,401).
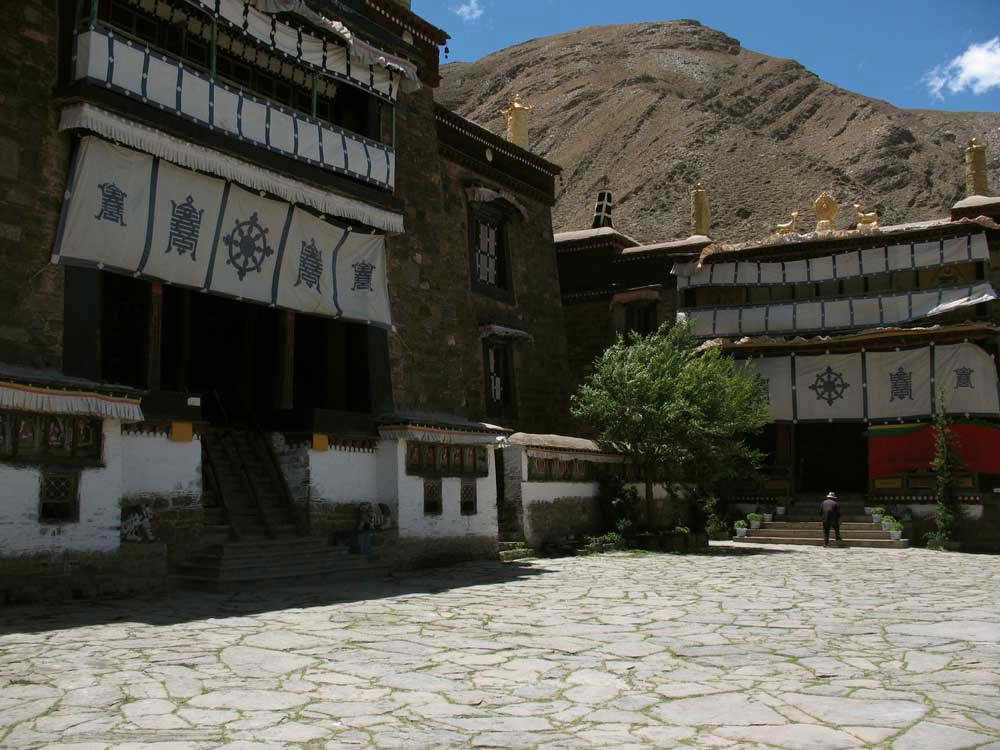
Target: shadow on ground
(180,605)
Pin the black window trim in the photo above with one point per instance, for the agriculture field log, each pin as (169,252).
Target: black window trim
(494,212)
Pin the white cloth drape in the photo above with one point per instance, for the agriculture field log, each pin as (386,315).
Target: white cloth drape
(881,386)
(19,397)
(133,213)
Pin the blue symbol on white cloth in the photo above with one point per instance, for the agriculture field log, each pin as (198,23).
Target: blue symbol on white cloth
(829,386)
(185,225)
(247,246)
(112,203)
(310,265)
(362,276)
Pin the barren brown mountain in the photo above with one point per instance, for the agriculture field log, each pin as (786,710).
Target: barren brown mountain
(659,106)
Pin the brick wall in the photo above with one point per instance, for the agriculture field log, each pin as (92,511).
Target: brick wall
(589,331)
(34,160)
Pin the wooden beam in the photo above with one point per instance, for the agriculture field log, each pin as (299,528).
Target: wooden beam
(285,375)
(154,336)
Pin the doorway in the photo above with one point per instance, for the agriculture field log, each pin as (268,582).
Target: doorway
(831,457)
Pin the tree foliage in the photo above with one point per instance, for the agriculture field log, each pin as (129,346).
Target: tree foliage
(945,464)
(680,414)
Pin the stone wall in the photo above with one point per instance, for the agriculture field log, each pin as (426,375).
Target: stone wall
(293,459)
(34,160)
(52,576)
(436,352)
(562,517)
(589,331)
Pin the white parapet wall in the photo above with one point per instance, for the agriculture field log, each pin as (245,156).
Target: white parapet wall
(441,483)
(344,476)
(154,466)
(97,528)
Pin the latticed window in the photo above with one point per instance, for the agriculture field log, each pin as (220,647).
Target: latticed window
(499,379)
(432,497)
(488,251)
(468,498)
(59,497)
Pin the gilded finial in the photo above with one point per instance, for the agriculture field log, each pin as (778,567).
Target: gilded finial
(701,211)
(826,210)
(865,220)
(789,226)
(517,121)
(975,169)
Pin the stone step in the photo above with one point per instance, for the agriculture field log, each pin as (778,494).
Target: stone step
(817,533)
(844,525)
(877,543)
(511,555)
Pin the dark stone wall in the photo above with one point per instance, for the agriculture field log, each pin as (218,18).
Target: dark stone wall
(589,331)
(436,352)
(34,160)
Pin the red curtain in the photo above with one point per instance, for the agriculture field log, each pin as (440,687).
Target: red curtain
(898,452)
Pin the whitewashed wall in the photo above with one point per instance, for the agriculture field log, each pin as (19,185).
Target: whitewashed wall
(100,514)
(338,476)
(156,465)
(409,491)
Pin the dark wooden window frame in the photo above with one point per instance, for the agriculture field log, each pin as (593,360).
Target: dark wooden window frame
(59,497)
(506,408)
(496,214)
(25,439)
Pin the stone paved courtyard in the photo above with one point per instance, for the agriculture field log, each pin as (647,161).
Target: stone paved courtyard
(786,647)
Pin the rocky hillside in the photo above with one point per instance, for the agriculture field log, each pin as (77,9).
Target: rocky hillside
(659,106)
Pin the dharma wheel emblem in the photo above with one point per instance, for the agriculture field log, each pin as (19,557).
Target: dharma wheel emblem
(829,386)
(247,246)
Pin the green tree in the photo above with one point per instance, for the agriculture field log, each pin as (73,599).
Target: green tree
(681,415)
(945,464)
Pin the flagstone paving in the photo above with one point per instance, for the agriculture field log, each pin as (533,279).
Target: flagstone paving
(784,647)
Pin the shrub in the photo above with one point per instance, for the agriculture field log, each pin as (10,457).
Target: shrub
(755,517)
(878,511)
(741,524)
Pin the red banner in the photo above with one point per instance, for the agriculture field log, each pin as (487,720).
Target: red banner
(907,449)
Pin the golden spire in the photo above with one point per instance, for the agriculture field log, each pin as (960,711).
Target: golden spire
(517,122)
(975,169)
(701,211)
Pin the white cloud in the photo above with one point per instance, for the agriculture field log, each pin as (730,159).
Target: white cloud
(976,70)
(469,11)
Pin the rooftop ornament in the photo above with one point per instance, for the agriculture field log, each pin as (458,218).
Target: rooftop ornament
(866,221)
(789,227)
(517,122)
(826,211)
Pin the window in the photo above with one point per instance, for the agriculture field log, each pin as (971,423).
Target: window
(467,501)
(498,360)
(489,252)
(432,497)
(59,497)
(640,317)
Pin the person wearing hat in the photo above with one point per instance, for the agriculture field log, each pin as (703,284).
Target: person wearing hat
(830,509)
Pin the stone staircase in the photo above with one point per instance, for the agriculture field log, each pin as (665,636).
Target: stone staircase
(252,534)
(855,533)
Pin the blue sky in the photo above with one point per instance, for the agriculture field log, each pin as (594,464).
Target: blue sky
(935,54)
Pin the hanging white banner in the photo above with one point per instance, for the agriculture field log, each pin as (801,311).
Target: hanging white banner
(898,384)
(135,214)
(829,387)
(776,373)
(967,376)
(963,249)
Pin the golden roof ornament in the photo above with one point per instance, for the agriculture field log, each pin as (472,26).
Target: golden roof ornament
(865,220)
(788,227)
(701,212)
(975,169)
(517,122)
(826,210)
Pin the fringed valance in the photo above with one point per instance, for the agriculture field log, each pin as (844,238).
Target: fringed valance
(19,397)
(192,156)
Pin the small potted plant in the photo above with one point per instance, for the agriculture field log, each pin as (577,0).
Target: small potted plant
(741,527)
(868,510)
(779,510)
(896,530)
(754,519)
(877,513)
(887,522)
